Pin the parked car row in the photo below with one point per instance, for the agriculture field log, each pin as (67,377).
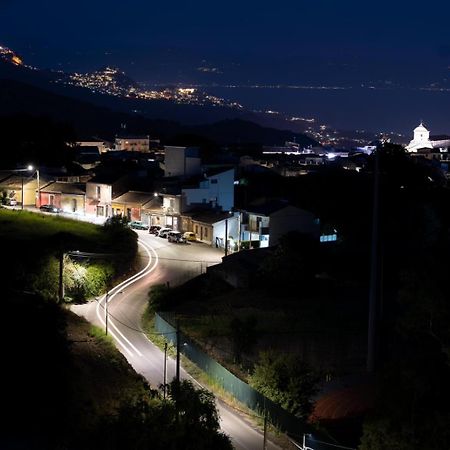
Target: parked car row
(137,225)
(171,235)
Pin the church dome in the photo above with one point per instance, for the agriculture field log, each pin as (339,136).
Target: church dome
(420,129)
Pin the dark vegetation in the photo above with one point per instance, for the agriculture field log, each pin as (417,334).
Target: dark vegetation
(32,245)
(300,289)
(64,386)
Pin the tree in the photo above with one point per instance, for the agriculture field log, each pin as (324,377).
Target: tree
(187,420)
(413,410)
(292,264)
(158,297)
(243,335)
(286,380)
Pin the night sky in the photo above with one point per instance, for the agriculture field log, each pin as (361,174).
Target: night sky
(85,34)
(395,47)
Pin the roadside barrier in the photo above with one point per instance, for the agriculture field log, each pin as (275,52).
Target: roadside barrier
(244,393)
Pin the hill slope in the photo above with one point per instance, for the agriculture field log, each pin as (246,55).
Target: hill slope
(88,119)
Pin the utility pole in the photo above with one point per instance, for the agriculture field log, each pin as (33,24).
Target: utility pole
(226,237)
(265,431)
(177,376)
(165,370)
(61,273)
(106,311)
(239,231)
(38,189)
(372,341)
(265,426)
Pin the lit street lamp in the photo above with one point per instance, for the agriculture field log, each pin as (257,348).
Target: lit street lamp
(38,196)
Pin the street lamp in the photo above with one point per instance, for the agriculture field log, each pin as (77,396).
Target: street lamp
(38,202)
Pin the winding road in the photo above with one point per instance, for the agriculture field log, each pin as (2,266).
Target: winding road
(162,262)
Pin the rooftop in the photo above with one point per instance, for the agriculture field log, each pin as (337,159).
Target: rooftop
(138,197)
(208,216)
(59,187)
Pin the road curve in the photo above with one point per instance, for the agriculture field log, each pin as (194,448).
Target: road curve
(126,304)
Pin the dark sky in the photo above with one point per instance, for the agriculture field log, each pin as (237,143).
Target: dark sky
(141,35)
(396,47)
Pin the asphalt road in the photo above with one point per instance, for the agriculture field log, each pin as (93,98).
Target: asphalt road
(162,262)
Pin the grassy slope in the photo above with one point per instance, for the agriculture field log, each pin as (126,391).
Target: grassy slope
(24,225)
(102,379)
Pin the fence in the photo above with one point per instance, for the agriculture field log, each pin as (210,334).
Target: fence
(248,396)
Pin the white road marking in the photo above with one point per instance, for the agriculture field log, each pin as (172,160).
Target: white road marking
(119,288)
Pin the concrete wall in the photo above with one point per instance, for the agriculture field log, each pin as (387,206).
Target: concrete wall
(181,162)
(289,219)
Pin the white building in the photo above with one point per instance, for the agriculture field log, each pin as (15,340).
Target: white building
(103,146)
(181,161)
(133,143)
(214,190)
(268,221)
(422,141)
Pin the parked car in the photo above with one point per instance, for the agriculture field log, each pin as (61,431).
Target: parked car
(175,236)
(50,208)
(138,225)
(163,232)
(154,229)
(11,202)
(190,236)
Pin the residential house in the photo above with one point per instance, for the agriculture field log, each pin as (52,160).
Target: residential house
(70,197)
(215,189)
(181,161)
(213,227)
(165,211)
(267,221)
(132,203)
(100,190)
(102,145)
(133,143)
(12,185)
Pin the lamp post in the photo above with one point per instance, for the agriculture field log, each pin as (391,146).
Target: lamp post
(38,196)
(226,236)
(22,193)
(165,370)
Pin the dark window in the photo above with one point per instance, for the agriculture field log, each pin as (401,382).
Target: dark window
(213,181)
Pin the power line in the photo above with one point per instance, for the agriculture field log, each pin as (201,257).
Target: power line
(130,327)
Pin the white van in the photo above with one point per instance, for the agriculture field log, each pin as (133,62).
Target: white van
(163,232)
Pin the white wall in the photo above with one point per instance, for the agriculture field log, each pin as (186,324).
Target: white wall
(167,204)
(177,164)
(233,227)
(219,193)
